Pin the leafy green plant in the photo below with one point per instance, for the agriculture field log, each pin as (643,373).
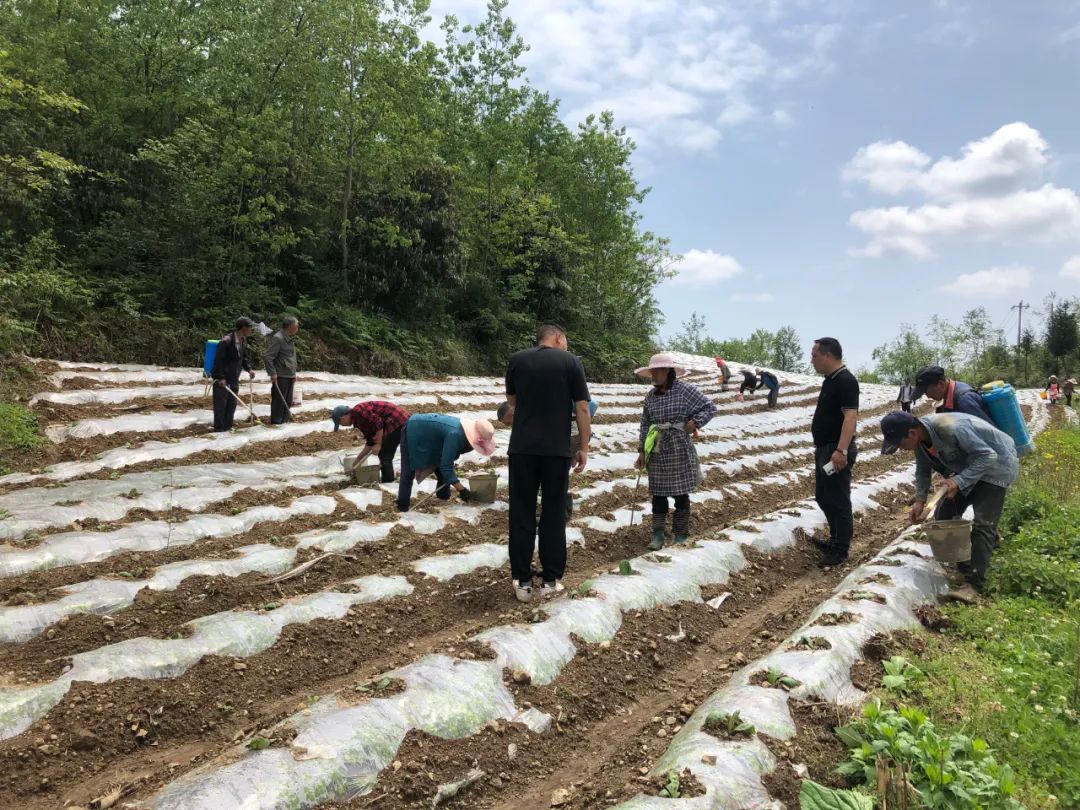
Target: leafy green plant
(624,568)
(813,796)
(258,744)
(672,788)
(728,725)
(584,588)
(901,676)
(777,678)
(901,753)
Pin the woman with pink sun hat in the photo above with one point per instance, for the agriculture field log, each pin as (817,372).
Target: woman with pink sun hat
(673,412)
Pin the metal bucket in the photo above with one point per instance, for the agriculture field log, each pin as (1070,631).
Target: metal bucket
(950,540)
(364,474)
(483,487)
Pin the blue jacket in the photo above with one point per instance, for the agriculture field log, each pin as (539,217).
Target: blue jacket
(971,449)
(435,440)
(967,400)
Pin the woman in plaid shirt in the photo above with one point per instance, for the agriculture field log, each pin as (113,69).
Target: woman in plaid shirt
(673,412)
(380,422)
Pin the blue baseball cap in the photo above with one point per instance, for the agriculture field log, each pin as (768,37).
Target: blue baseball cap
(895,427)
(336,414)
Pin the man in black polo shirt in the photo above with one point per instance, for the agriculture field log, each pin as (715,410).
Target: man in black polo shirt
(833,429)
(539,384)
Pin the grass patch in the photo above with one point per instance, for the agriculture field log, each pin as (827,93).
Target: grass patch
(1008,671)
(18,431)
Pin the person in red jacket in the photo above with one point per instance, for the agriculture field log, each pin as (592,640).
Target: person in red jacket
(380,423)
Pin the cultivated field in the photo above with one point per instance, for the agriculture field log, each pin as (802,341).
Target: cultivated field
(150,659)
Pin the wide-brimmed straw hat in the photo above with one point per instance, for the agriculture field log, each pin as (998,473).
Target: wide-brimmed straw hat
(481,435)
(662,360)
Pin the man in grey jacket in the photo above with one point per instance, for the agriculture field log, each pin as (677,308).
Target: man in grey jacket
(978,462)
(280,360)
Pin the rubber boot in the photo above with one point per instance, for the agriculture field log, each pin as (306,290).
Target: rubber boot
(658,523)
(680,524)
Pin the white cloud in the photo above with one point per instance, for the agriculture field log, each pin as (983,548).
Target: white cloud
(699,267)
(992,283)
(1010,159)
(887,167)
(989,193)
(696,65)
(1071,268)
(752,298)
(1045,214)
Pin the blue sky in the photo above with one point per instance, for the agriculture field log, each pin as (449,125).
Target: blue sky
(842,166)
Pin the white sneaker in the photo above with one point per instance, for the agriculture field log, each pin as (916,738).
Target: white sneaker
(523,592)
(549,589)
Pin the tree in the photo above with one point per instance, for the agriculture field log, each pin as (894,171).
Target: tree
(787,351)
(1061,334)
(900,359)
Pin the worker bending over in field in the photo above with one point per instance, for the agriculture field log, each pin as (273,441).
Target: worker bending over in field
(978,463)
(229,359)
(725,372)
(431,443)
(672,414)
(749,382)
(766,379)
(380,423)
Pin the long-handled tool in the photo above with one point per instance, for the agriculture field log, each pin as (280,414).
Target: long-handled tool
(235,396)
(931,504)
(633,509)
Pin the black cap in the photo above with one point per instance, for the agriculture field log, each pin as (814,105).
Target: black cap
(244,321)
(927,376)
(895,427)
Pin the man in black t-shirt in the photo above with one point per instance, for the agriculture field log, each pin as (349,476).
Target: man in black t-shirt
(833,430)
(539,383)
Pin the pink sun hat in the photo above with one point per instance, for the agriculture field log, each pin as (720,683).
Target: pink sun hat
(481,435)
(662,360)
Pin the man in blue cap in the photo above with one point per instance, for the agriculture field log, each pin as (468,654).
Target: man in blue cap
(977,461)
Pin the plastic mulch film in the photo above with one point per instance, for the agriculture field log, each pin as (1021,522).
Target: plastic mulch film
(76,548)
(272,779)
(191,487)
(734,781)
(231,633)
(340,750)
(467,559)
(109,595)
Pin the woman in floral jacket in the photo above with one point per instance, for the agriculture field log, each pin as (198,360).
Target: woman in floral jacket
(673,413)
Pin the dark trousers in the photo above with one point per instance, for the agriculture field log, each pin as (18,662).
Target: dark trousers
(224,406)
(1068,400)
(987,500)
(906,407)
(833,495)
(746,388)
(550,477)
(660,504)
(389,449)
(280,404)
(405,483)
(773,394)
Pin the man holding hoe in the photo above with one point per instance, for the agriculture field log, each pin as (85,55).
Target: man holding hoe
(279,358)
(229,360)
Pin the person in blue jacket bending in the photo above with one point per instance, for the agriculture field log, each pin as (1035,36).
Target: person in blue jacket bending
(431,443)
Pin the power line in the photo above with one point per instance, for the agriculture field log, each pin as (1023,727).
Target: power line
(1020,319)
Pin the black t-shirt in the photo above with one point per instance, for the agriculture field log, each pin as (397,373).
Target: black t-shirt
(839,393)
(544,380)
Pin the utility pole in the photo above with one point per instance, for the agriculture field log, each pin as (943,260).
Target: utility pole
(1019,320)
(1019,331)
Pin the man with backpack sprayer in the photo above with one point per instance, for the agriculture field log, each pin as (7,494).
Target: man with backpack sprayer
(229,359)
(280,360)
(954,396)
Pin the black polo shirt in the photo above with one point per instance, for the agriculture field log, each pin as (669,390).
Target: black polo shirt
(546,382)
(839,393)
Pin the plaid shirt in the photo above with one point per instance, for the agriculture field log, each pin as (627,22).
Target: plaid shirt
(371,417)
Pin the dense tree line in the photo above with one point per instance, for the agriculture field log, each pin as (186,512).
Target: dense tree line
(779,350)
(165,166)
(976,351)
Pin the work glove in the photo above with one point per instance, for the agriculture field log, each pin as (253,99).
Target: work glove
(466,495)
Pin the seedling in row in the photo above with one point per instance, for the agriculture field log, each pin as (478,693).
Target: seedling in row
(777,678)
(728,725)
